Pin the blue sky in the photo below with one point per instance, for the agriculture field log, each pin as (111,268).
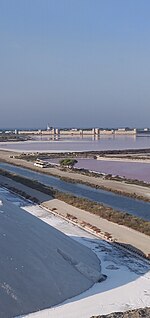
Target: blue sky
(74,63)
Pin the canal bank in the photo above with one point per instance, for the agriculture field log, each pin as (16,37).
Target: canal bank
(119,233)
(117,202)
(120,187)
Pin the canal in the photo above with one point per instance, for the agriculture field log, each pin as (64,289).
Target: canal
(118,202)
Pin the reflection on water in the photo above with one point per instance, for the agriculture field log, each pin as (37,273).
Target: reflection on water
(80,144)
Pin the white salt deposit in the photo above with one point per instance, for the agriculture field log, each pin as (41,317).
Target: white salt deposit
(128,276)
(39,264)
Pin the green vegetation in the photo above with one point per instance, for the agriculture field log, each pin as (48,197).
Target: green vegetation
(67,162)
(85,204)
(106,212)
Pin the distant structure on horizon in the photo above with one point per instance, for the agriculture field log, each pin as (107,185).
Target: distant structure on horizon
(79,132)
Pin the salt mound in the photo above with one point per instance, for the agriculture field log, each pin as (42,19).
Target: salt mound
(39,266)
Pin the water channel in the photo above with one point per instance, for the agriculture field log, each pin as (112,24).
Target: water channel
(119,202)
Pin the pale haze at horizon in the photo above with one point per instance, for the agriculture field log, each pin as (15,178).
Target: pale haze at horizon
(74,63)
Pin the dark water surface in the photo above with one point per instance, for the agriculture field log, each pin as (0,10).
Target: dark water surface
(119,202)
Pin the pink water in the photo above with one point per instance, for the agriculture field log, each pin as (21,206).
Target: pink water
(133,170)
(84,144)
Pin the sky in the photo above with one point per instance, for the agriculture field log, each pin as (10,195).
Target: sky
(74,63)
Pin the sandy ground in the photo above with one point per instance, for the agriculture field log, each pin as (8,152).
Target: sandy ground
(110,184)
(119,233)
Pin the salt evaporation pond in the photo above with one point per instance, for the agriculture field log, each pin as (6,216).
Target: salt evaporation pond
(130,170)
(80,144)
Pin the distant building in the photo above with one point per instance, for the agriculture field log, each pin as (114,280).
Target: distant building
(79,132)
